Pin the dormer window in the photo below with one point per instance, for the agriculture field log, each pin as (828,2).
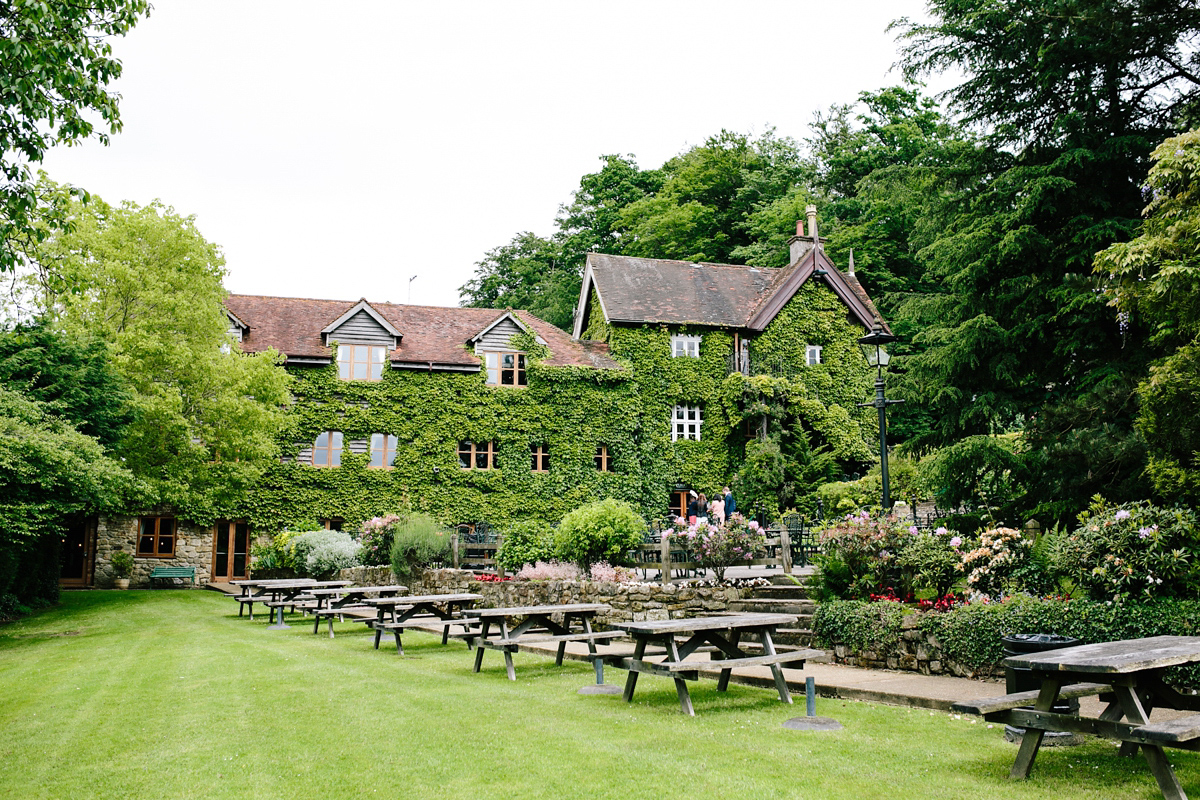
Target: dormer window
(505,369)
(684,346)
(361,362)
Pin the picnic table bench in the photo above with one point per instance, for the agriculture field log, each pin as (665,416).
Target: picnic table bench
(291,594)
(721,636)
(1128,675)
(537,624)
(426,612)
(260,591)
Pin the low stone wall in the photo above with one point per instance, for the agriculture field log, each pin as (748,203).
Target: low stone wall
(629,601)
(916,652)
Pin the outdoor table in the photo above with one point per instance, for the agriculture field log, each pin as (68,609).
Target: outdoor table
(330,601)
(1128,674)
(721,632)
(419,611)
(256,591)
(539,618)
(283,593)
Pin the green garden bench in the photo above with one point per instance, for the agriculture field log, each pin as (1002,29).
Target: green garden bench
(172,576)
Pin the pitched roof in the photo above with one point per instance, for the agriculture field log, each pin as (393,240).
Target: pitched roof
(433,336)
(651,290)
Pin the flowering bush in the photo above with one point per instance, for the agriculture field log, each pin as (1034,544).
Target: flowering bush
(549,571)
(606,573)
(934,560)
(491,577)
(1136,551)
(376,539)
(717,548)
(861,554)
(999,553)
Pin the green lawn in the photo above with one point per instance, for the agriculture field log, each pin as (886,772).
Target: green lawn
(157,694)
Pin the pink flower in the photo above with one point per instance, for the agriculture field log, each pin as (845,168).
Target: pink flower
(956,541)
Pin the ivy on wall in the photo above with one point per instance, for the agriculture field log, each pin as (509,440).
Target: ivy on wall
(572,411)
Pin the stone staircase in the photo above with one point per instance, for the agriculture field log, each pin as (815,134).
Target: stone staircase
(783,597)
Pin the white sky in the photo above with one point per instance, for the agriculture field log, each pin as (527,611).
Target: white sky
(336,149)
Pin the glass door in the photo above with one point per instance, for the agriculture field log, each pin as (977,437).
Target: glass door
(78,546)
(231,551)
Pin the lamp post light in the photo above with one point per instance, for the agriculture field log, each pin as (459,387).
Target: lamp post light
(872,347)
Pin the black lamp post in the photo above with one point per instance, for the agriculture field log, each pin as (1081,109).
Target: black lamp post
(872,347)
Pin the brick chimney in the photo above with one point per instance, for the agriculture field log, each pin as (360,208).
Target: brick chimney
(800,244)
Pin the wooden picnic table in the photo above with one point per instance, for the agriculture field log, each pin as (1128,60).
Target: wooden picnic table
(336,602)
(284,594)
(260,591)
(1128,675)
(721,635)
(419,611)
(537,624)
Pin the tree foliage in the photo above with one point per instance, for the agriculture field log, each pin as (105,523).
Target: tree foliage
(55,67)
(145,283)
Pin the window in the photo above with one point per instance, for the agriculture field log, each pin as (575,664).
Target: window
(505,369)
(361,362)
(327,449)
(332,523)
(683,346)
(156,537)
(541,457)
(686,423)
(383,451)
(813,354)
(477,455)
(603,459)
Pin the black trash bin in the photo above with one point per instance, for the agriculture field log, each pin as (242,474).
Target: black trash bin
(1023,680)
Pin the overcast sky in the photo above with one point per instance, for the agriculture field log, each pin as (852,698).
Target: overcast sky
(335,150)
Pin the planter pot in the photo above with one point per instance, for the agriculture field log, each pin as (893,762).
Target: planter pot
(121,583)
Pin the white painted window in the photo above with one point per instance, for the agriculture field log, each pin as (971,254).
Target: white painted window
(686,423)
(684,346)
(813,354)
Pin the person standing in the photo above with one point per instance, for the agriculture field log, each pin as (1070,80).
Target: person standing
(702,508)
(693,510)
(717,510)
(730,505)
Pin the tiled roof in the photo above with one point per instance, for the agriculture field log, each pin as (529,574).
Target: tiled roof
(432,335)
(677,292)
(650,290)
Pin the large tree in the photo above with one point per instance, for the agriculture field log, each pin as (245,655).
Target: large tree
(55,67)
(146,283)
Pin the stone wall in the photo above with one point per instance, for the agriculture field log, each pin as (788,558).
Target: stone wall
(629,601)
(193,548)
(916,652)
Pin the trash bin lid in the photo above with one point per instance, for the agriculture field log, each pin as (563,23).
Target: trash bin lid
(1021,643)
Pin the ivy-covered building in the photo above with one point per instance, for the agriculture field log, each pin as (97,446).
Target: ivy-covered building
(676,376)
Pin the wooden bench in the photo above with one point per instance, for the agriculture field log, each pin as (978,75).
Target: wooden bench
(434,625)
(1170,732)
(1007,702)
(172,576)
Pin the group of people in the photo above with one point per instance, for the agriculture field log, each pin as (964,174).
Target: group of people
(716,511)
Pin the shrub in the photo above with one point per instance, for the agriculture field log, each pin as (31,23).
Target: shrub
(998,555)
(417,542)
(319,554)
(934,561)
(525,543)
(602,531)
(1132,552)
(549,571)
(861,555)
(272,556)
(376,539)
(717,548)
(604,572)
(859,625)
(122,563)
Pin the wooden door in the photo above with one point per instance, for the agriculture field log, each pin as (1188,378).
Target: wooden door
(679,503)
(77,557)
(231,551)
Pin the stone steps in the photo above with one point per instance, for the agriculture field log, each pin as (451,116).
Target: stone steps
(782,605)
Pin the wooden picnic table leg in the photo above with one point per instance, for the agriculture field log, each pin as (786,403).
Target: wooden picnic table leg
(1032,738)
(1168,784)
(486,623)
(331,624)
(776,670)
(639,650)
(723,682)
(399,646)
(685,699)
(508,651)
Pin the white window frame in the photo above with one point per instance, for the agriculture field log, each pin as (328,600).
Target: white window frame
(812,354)
(685,345)
(686,422)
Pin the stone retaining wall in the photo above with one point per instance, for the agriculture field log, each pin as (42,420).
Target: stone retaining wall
(629,601)
(916,652)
